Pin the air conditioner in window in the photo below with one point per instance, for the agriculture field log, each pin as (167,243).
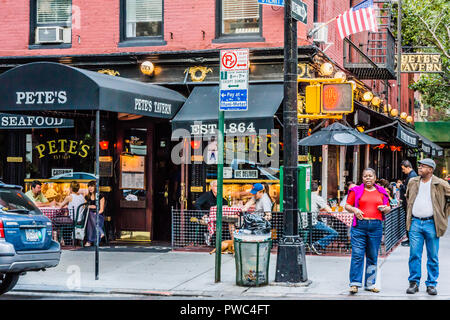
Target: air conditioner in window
(424,113)
(321,33)
(50,35)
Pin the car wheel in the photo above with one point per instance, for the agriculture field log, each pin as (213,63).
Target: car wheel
(8,281)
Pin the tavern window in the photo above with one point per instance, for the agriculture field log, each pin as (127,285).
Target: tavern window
(51,22)
(239,19)
(142,20)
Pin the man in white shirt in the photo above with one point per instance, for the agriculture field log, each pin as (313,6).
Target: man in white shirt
(427,217)
(329,234)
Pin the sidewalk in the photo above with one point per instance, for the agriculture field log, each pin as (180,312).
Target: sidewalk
(191,274)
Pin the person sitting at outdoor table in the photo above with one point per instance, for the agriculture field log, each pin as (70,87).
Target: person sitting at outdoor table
(73,200)
(369,202)
(206,201)
(36,195)
(348,186)
(261,201)
(318,204)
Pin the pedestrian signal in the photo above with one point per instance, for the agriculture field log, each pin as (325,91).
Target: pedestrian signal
(337,98)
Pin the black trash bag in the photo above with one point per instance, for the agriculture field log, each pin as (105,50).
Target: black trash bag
(256,224)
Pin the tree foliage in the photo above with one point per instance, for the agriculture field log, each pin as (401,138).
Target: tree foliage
(426,26)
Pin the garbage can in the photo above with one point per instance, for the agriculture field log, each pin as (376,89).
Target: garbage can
(252,254)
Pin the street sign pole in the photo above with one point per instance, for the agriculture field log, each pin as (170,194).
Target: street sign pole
(233,96)
(291,264)
(220,145)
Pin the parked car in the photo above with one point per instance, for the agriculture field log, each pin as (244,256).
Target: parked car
(75,176)
(25,237)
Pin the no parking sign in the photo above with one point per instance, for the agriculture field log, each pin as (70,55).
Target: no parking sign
(233,93)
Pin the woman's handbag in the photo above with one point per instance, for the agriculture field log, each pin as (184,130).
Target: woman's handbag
(81,221)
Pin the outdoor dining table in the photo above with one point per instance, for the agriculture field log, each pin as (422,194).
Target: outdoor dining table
(231,212)
(54,212)
(344,217)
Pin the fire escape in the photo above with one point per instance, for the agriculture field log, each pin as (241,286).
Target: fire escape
(374,59)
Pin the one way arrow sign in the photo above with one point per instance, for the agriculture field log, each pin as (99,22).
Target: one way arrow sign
(299,11)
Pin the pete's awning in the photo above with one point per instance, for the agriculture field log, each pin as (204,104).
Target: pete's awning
(199,115)
(45,86)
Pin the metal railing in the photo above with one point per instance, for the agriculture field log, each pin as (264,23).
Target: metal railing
(329,235)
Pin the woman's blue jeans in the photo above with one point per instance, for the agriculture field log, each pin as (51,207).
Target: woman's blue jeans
(365,240)
(423,231)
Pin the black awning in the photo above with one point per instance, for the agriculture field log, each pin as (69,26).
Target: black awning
(408,136)
(43,86)
(429,147)
(199,114)
(404,135)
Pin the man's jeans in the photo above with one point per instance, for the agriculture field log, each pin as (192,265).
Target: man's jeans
(365,240)
(322,228)
(423,231)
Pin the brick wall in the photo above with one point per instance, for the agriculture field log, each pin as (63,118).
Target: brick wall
(188,25)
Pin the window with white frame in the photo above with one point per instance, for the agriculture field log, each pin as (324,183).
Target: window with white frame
(143,18)
(52,22)
(240,17)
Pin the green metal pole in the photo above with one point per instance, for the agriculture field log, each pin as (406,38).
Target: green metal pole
(220,144)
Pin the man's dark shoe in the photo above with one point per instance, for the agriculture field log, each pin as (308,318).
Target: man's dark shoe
(431,291)
(413,288)
(405,243)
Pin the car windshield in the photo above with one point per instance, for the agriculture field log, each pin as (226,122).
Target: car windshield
(14,201)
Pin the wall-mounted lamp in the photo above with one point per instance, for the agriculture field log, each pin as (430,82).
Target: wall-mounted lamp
(409,119)
(104,145)
(147,68)
(340,75)
(403,115)
(326,69)
(195,144)
(376,101)
(367,96)
(394,112)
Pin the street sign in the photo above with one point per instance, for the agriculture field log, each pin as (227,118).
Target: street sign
(272,2)
(299,11)
(233,89)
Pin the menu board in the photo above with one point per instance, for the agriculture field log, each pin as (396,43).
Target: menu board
(132,180)
(132,172)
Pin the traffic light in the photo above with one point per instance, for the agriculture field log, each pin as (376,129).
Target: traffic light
(337,98)
(312,97)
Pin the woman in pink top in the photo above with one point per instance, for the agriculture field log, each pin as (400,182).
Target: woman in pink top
(369,202)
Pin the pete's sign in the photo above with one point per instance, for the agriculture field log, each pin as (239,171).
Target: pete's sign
(63,148)
(41,97)
(421,63)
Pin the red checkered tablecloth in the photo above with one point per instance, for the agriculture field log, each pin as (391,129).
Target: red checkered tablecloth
(345,217)
(226,211)
(53,212)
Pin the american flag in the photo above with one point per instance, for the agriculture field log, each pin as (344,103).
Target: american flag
(359,18)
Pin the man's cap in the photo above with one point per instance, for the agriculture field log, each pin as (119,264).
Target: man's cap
(428,162)
(257,187)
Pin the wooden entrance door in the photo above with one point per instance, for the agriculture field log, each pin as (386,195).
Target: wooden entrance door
(135,218)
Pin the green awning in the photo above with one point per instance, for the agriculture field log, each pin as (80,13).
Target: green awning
(436,131)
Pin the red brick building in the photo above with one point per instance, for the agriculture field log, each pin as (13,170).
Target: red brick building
(181,37)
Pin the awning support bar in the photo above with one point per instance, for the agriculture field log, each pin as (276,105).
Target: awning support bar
(381,127)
